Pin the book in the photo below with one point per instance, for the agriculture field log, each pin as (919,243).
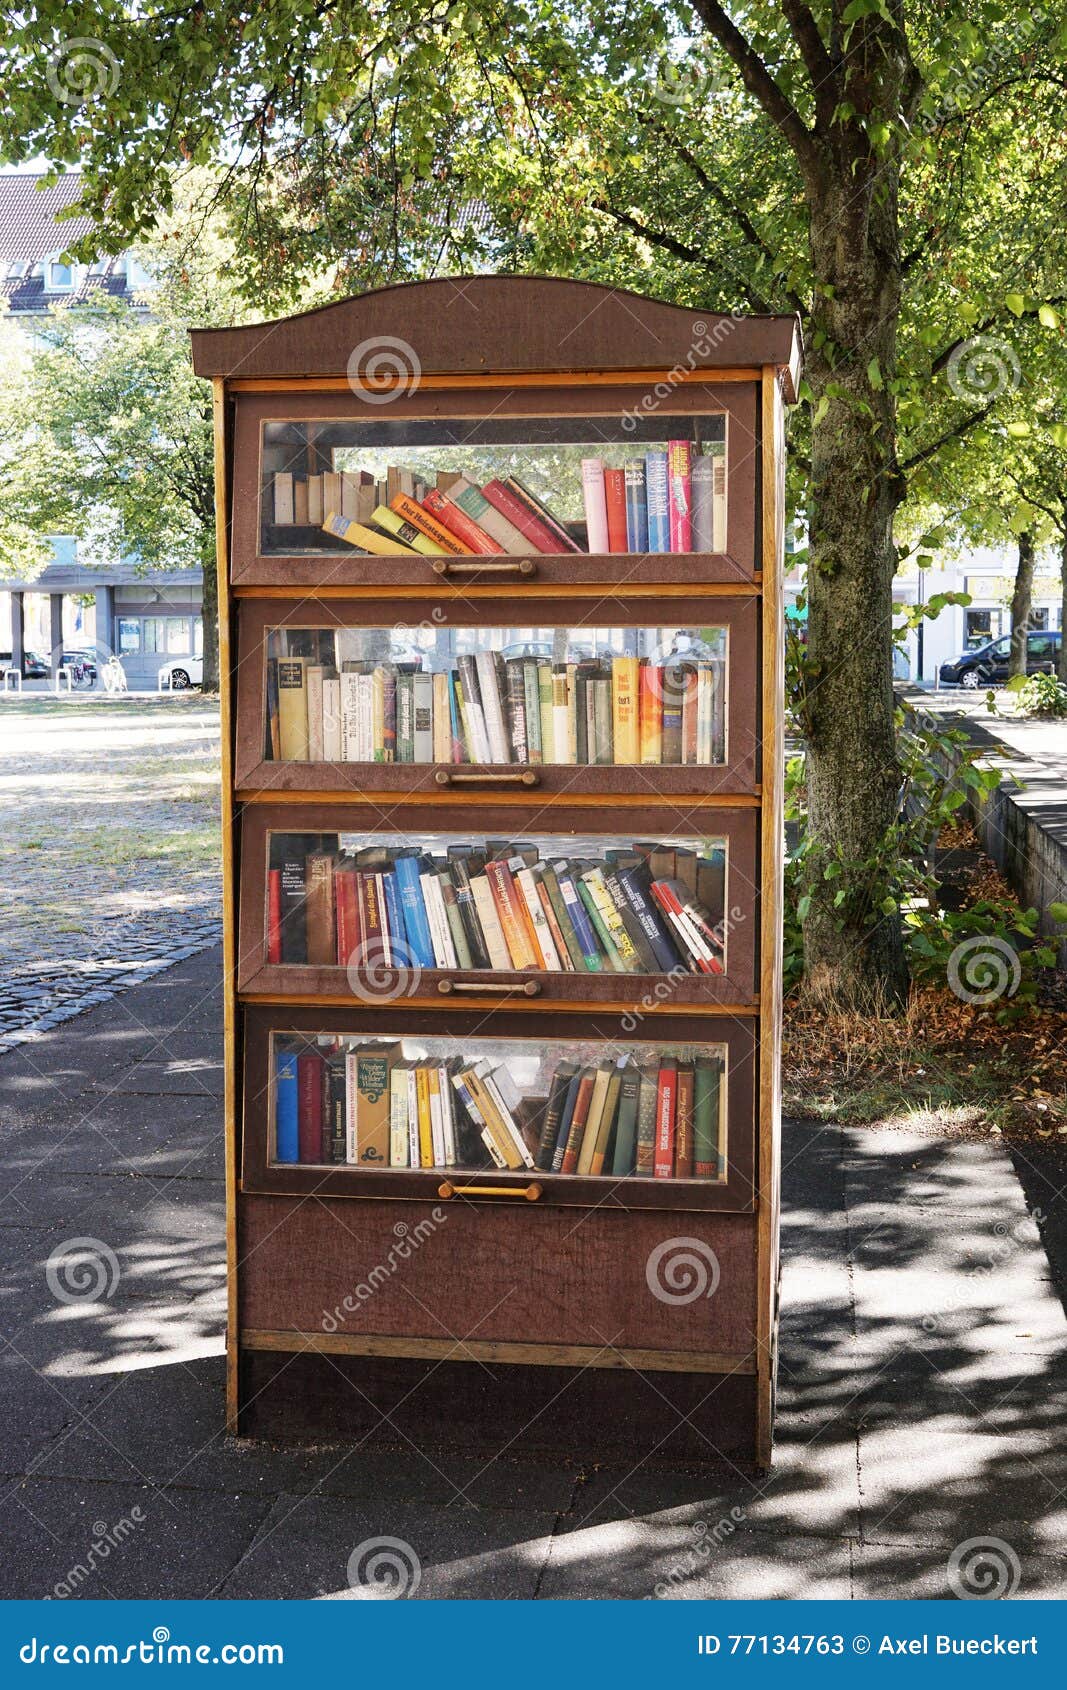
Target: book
(367,1076)
(706,1159)
(286,1107)
(293,709)
(562,540)
(683,1124)
(320,931)
(472,501)
(646,1123)
(428,525)
(666,1106)
(553,1114)
(594,499)
(624,709)
(463,526)
(533,528)
(283,498)
(703,520)
(657,501)
(576,1124)
(625,1147)
(390,522)
(636,506)
(680,495)
(615,507)
(274,915)
(310,1066)
(366,538)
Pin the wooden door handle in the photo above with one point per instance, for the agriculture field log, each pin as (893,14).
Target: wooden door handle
(516,777)
(484,566)
(531,1192)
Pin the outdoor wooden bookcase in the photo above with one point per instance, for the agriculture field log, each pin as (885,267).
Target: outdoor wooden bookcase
(476,1304)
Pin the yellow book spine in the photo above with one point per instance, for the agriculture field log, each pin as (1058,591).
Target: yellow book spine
(422,1084)
(624,722)
(382,545)
(406,531)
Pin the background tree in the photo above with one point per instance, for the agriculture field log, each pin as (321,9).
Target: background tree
(888,169)
(109,433)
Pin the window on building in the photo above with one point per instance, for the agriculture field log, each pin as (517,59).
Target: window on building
(60,276)
(178,636)
(129,630)
(1039,618)
(153,634)
(979,628)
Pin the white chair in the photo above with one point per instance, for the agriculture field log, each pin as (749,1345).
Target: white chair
(165,679)
(63,673)
(13,675)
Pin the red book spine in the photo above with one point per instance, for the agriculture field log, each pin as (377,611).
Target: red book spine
(615,499)
(666,1101)
(344,882)
(309,1106)
(683,1126)
(668,901)
(679,495)
(461,525)
(274,915)
(502,499)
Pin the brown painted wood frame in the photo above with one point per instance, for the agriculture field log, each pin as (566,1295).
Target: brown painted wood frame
(737,1032)
(256,778)
(577,1283)
(621,572)
(644,994)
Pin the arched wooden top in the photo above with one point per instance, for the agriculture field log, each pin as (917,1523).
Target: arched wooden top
(472,325)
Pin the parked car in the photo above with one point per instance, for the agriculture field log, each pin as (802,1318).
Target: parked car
(35,667)
(988,665)
(182,673)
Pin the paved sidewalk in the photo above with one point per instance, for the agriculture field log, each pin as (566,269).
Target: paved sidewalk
(922,1386)
(112,872)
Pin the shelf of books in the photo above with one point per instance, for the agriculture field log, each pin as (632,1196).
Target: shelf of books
(500,619)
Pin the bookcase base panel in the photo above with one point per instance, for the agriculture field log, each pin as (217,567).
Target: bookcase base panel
(592,1414)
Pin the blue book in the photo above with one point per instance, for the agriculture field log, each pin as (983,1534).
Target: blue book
(286,1129)
(394,915)
(583,927)
(636,508)
(416,925)
(656,498)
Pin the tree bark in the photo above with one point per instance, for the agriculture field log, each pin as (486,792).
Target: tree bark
(1021,599)
(854,953)
(210,612)
(1061,665)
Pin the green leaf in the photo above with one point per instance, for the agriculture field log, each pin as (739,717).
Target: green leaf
(1016,303)
(1048,317)
(874,375)
(803,907)
(888,906)
(1058,912)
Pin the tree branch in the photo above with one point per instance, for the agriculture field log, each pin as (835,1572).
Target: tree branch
(678,249)
(957,433)
(762,86)
(820,66)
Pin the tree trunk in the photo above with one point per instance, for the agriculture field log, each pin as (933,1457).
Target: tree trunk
(1061,666)
(210,612)
(1020,604)
(853,951)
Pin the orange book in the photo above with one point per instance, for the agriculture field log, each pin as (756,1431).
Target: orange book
(461,525)
(412,512)
(650,711)
(615,499)
(508,908)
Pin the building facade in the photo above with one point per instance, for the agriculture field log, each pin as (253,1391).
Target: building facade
(148,620)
